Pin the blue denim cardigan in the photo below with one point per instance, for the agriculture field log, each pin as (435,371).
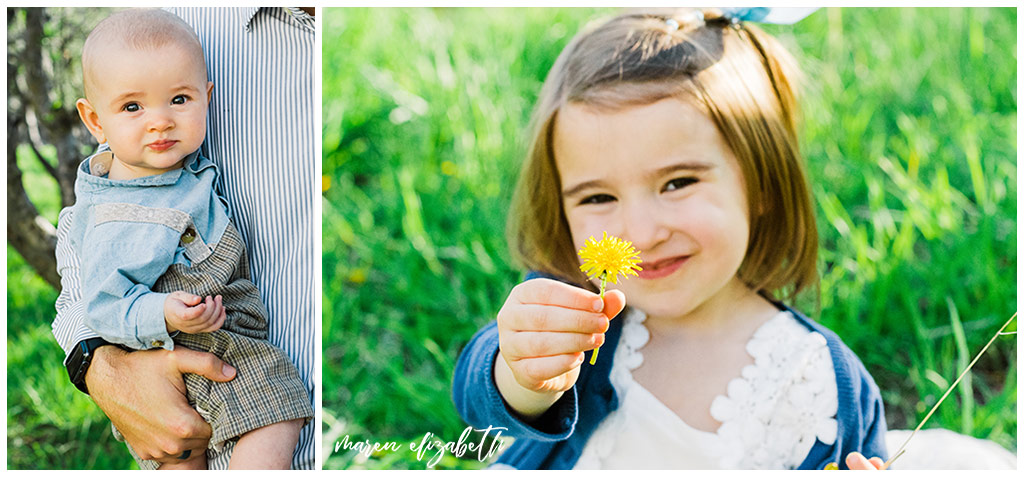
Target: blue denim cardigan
(556,439)
(128,232)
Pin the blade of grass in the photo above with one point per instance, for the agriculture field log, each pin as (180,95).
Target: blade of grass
(967,390)
(903,447)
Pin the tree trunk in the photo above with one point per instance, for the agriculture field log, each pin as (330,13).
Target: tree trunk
(28,232)
(31,235)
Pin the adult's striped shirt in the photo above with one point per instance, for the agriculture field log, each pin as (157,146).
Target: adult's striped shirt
(261,135)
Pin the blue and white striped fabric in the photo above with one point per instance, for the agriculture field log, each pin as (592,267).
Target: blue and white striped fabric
(261,134)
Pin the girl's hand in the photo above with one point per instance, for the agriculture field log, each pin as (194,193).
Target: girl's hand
(189,313)
(856,461)
(544,328)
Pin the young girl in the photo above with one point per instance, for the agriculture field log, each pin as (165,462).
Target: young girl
(675,132)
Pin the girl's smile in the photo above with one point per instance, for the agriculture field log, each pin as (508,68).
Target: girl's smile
(661,268)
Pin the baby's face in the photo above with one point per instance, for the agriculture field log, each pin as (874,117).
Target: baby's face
(150,105)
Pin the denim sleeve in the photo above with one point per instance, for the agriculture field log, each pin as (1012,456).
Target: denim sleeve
(873,423)
(120,262)
(480,404)
(861,417)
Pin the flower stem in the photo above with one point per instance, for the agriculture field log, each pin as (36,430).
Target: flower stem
(604,282)
(903,448)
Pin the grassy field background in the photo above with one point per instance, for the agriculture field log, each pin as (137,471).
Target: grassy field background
(909,135)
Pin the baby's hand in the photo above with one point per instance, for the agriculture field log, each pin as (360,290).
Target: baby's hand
(189,313)
(544,328)
(857,461)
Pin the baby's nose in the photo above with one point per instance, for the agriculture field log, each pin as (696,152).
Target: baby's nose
(160,120)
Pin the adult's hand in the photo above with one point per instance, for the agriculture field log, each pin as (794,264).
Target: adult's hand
(143,394)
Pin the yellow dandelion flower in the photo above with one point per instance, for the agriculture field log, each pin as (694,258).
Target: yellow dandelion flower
(608,258)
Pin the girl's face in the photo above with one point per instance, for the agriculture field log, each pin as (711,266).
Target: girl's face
(661,176)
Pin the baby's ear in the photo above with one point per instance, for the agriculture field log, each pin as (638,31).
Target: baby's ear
(209,91)
(90,119)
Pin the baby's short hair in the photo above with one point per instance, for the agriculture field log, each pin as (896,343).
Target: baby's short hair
(141,29)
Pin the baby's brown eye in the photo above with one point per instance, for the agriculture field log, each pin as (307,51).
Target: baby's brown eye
(130,107)
(179,99)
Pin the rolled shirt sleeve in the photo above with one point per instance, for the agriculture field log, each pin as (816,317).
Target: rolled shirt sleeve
(120,261)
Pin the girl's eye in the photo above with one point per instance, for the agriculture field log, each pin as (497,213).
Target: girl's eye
(130,107)
(179,99)
(679,183)
(597,199)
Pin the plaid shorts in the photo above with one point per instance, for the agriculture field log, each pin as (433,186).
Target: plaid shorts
(267,387)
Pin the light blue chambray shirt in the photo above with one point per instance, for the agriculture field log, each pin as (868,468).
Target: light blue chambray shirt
(261,136)
(128,232)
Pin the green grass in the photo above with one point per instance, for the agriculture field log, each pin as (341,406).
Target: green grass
(909,135)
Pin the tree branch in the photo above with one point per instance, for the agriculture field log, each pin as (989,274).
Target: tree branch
(46,164)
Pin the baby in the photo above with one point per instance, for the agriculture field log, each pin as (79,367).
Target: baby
(162,265)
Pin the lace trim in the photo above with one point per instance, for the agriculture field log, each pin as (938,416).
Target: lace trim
(771,414)
(776,409)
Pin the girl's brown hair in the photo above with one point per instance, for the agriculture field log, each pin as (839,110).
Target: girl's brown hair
(742,78)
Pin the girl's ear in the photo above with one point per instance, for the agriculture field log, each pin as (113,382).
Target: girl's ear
(90,119)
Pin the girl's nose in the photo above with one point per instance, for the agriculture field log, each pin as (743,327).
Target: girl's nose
(645,224)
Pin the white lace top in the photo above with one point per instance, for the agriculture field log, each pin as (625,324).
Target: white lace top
(771,416)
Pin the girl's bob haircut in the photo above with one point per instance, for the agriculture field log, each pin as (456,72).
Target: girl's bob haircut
(742,78)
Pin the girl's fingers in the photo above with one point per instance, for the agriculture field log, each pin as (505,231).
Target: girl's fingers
(543,291)
(614,302)
(856,461)
(536,370)
(553,318)
(877,462)
(529,344)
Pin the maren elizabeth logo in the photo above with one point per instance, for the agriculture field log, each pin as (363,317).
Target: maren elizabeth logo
(433,446)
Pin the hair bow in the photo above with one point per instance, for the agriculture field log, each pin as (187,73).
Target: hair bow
(777,16)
